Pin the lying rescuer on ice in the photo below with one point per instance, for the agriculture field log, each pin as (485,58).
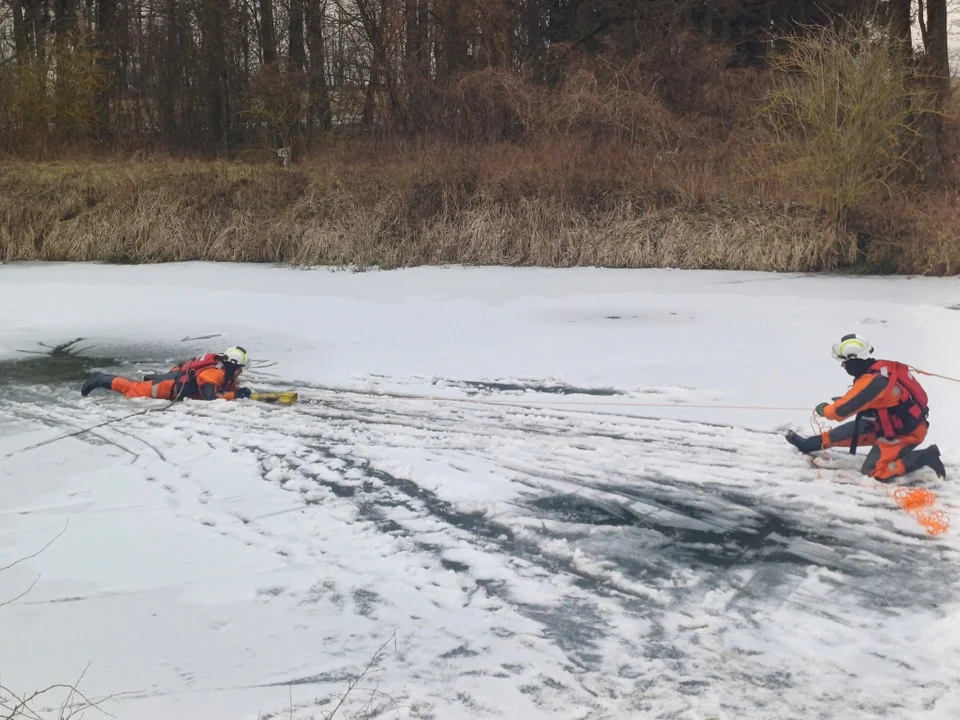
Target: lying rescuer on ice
(215,376)
(890,410)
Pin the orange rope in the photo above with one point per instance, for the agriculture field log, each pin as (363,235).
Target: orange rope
(911,499)
(917,502)
(936,522)
(930,374)
(660,405)
(914,501)
(543,402)
(678,406)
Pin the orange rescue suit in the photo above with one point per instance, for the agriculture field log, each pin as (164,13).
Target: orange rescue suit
(894,423)
(211,383)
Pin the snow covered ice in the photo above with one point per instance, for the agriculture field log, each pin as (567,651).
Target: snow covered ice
(504,478)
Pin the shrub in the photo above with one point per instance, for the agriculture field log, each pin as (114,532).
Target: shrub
(50,100)
(844,114)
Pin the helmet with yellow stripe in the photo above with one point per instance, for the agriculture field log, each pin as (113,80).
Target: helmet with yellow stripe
(852,347)
(236,356)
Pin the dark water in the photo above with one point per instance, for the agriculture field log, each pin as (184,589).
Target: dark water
(69,362)
(51,365)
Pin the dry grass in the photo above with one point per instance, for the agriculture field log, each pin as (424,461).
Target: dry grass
(572,203)
(914,234)
(566,200)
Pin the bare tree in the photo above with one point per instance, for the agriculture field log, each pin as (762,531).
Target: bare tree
(181,72)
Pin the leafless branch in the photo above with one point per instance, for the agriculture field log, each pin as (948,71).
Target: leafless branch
(374,660)
(30,557)
(22,707)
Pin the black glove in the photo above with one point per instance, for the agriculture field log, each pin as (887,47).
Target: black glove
(243,393)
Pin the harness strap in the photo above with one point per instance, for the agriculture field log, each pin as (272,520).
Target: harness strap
(886,424)
(188,376)
(856,433)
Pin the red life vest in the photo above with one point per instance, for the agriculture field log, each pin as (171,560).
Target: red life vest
(185,384)
(911,406)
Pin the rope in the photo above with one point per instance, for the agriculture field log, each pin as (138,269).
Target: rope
(545,402)
(930,374)
(914,501)
(917,502)
(89,429)
(559,403)
(815,423)
(818,429)
(169,405)
(913,498)
(100,425)
(607,403)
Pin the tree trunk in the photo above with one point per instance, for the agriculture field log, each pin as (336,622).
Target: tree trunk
(534,30)
(452,41)
(19,30)
(297,59)
(412,44)
(65,17)
(169,68)
(213,22)
(106,45)
(423,37)
(900,25)
(36,26)
(319,92)
(268,39)
(106,30)
(937,49)
(934,30)
(369,99)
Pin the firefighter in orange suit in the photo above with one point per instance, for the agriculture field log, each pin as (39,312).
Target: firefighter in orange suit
(210,377)
(890,411)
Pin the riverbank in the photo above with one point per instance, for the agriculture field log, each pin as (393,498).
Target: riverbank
(494,205)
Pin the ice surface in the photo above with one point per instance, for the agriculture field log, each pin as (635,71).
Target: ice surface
(541,492)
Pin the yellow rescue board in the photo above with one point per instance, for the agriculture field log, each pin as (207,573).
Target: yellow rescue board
(281,398)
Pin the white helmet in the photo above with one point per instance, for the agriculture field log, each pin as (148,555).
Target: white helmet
(850,347)
(236,355)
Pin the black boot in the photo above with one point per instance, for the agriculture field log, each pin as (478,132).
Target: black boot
(805,445)
(928,457)
(96,380)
